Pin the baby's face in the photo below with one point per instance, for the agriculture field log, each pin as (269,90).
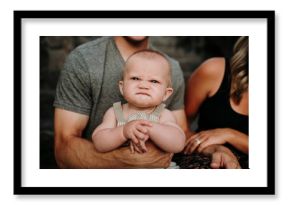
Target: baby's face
(145,82)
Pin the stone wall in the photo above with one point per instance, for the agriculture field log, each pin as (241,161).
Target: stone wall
(189,51)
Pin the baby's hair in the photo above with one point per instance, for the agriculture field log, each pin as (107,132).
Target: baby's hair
(150,54)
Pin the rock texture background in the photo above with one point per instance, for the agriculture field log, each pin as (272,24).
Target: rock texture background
(188,50)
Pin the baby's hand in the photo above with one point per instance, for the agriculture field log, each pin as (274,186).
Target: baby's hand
(136,130)
(140,147)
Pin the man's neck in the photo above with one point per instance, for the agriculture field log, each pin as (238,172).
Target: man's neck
(127,48)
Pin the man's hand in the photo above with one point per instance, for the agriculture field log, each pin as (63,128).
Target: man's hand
(153,158)
(140,147)
(222,157)
(224,160)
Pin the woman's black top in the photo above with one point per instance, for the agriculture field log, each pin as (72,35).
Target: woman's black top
(216,112)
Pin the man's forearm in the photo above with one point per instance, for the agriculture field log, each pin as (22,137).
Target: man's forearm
(81,153)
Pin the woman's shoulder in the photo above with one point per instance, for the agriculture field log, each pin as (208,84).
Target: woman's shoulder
(209,75)
(212,67)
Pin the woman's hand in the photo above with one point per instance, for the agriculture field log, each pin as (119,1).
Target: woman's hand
(199,141)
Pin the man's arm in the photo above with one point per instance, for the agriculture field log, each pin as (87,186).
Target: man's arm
(72,151)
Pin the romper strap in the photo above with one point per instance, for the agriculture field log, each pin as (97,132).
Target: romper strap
(119,113)
(158,110)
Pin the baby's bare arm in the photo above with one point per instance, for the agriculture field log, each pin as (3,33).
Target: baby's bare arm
(167,134)
(107,136)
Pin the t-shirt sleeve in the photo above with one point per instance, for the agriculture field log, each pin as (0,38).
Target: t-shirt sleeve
(176,101)
(73,90)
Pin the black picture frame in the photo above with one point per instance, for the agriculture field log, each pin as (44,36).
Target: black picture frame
(19,189)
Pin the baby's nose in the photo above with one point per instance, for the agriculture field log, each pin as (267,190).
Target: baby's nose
(143,84)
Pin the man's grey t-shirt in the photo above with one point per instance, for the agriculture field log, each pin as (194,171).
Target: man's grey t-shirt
(88,84)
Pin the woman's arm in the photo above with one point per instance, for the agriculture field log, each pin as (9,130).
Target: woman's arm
(203,83)
(199,141)
(238,139)
(167,134)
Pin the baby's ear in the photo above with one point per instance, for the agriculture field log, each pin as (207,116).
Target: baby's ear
(168,93)
(121,86)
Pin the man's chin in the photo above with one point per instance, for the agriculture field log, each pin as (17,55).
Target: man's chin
(136,39)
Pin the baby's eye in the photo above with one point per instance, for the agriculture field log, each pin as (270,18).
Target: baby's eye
(154,81)
(135,78)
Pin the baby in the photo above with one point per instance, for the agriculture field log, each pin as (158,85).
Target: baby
(145,85)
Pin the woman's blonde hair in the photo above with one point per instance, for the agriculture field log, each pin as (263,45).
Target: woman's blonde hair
(239,69)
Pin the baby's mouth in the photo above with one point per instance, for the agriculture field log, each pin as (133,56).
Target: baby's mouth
(142,93)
